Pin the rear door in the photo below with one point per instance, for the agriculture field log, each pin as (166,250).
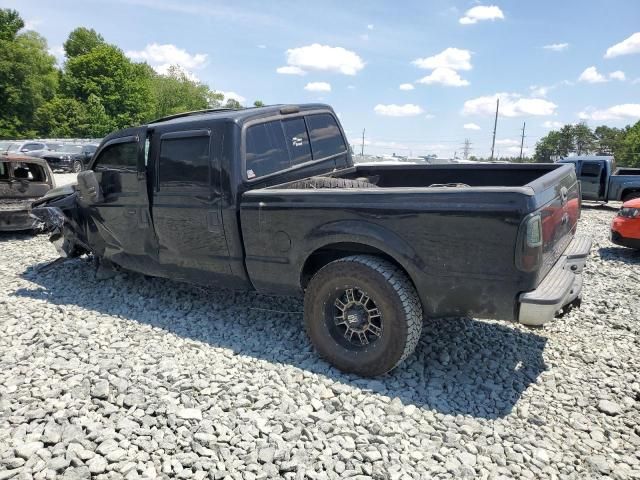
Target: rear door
(119,225)
(186,206)
(591,173)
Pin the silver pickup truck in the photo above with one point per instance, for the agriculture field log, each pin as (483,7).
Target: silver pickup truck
(602,181)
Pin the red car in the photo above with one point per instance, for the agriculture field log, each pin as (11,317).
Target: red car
(625,228)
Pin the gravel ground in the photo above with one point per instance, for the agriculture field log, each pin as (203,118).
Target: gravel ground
(141,378)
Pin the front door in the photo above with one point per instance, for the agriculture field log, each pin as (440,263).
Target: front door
(186,206)
(590,179)
(119,224)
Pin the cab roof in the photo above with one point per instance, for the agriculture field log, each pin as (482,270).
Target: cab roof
(239,116)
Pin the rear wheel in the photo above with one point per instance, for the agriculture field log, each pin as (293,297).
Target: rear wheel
(363,314)
(630,196)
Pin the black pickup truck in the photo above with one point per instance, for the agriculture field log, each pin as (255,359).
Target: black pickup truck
(269,199)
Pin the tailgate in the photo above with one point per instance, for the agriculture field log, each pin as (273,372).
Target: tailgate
(559,218)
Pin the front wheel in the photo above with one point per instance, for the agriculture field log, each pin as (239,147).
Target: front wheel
(77,166)
(363,314)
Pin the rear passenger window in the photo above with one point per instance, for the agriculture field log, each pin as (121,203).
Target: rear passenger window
(266,149)
(591,169)
(184,160)
(4,171)
(326,138)
(295,133)
(118,156)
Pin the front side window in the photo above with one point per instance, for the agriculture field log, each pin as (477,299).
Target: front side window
(118,156)
(326,138)
(29,171)
(266,149)
(29,147)
(184,160)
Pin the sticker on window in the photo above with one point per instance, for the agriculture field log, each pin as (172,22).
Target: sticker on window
(296,141)
(251,174)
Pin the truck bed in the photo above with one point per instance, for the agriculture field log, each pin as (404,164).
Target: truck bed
(432,228)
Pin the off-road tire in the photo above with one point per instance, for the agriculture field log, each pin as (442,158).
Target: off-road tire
(330,182)
(394,295)
(630,196)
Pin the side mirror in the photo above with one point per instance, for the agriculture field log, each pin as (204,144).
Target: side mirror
(88,188)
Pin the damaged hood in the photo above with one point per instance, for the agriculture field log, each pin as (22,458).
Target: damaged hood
(58,192)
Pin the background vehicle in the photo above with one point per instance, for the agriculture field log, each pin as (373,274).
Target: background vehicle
(269,199)
(70,158)
(600,180)
(22,180)
(625,228)
(31,148)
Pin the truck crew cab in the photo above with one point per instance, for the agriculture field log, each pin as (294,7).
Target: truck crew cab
(269,199)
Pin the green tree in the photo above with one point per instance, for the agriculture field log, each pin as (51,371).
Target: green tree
(584,140)
(81,41)
(123,87)
(609,139)
(548,146)
(629,152)
(10,24)
(233,103)
(175,92)
(28,77)
(258,103)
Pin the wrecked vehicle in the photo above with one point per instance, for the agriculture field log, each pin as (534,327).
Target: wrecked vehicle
(269,199)
(22,180)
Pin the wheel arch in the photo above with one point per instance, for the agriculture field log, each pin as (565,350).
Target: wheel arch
(357,238)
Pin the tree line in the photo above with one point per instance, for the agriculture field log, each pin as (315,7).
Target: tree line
(97,90)
(580,139)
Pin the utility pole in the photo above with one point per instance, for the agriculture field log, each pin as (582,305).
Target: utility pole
(466,148)
(362,148)
(495,126)
(524,124)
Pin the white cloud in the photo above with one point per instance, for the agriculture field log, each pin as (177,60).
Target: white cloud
(318,87)
(31,24)
(444,76)
(507,141)
(452,58)
(539,91)
(471,126)
(480,13)
(290,70)
(628,46)
(325,58)
(557,47)
(406,86)
(232,96)
(393,110)
(369,27)
(552,124)
(591,75)
(616,112)
(429,116)
(351,87)
(511,105)
(618,75)
(364,36)
(58,52)
(262,46)
(161,57)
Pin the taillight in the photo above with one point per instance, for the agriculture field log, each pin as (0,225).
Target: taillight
(530,244)
(534,232)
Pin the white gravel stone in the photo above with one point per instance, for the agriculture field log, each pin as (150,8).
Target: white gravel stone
(132,377)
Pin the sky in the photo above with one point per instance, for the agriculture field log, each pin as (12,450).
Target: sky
(419,77)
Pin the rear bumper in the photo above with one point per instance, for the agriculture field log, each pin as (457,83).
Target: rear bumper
(561,286)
